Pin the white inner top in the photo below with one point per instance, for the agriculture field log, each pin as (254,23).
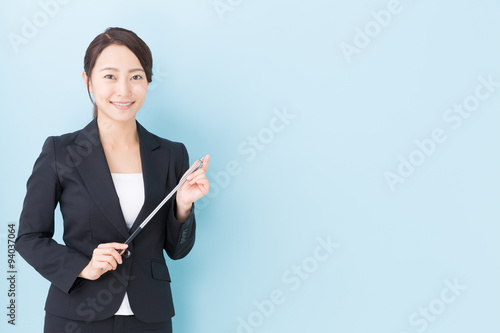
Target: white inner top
(130,190)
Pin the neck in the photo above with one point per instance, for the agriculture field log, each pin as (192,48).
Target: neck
(117,133)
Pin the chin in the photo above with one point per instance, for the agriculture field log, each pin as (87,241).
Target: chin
(119,116)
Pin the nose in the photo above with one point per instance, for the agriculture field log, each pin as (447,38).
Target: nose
(123,87)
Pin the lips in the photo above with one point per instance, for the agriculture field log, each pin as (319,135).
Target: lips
(122,105)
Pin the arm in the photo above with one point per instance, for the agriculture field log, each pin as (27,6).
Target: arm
(57,263)
(181,221)
(180,235)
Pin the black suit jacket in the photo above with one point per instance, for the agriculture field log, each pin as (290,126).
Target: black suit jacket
(72,171)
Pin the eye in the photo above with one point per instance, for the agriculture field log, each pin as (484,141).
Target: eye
(136,77)
(109,76)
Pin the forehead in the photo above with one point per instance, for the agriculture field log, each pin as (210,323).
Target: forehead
(117,56)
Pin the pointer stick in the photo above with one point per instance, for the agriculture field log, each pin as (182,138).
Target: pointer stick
(198,164)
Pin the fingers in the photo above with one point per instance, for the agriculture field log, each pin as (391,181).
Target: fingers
(195,174)
(200,171)
(117,246)
(196,185)
(199,180)
(104,262)
(205,162)
(191,168)
(112,249)
(106,256)
(204,166)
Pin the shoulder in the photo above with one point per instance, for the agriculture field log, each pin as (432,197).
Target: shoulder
(154,141)
(173,153)
(175,147)
(85,137)
(66,138)
(57,143)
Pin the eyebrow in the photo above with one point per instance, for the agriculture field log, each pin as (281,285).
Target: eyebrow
(116,70)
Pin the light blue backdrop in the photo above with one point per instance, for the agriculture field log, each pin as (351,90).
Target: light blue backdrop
(354,154)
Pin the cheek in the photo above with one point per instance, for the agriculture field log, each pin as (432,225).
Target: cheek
(101,91)
(141,91)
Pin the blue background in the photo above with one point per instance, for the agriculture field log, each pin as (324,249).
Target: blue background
(223,70)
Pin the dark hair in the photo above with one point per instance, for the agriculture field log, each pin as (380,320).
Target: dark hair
(118,36)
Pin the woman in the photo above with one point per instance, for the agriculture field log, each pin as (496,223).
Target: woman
(107,178)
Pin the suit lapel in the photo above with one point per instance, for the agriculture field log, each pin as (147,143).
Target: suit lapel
(154,177)
(90,161)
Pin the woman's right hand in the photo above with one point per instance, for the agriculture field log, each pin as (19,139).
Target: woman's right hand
(104,258)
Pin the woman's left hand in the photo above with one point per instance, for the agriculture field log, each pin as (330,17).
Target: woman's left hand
(195,187)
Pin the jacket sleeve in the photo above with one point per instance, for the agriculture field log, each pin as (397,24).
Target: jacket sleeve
(57,263)
(180,235)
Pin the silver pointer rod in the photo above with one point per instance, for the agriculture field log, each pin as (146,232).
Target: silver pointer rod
(153,213)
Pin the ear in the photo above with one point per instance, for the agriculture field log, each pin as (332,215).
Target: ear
(88,84)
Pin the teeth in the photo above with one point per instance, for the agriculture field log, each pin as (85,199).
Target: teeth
(122,104)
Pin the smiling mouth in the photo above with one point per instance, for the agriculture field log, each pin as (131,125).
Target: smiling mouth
(122,105)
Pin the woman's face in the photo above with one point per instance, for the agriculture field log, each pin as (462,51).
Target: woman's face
(119,83)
